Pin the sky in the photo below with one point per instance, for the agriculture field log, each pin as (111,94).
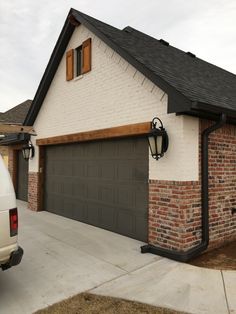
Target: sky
(29,30)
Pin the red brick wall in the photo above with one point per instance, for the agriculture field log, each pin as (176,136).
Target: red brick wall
(33,191)
(175,206)
(222,183)
(174,216)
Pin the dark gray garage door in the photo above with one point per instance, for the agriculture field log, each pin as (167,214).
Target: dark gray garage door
(101,183)
(22,178)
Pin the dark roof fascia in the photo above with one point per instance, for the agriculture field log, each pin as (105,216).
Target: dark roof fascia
(207,116)
(200,114)
(174,96)
(50,71)
(201,107)
(213,113)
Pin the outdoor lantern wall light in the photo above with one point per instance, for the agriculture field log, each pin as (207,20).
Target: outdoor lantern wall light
(158,139)
(28,151)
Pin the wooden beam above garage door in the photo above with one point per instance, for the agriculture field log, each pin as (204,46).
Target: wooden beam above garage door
(137,129)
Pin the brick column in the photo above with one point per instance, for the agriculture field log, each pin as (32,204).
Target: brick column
(33,191)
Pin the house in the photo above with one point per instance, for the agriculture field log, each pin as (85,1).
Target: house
(16,115)
(92,113)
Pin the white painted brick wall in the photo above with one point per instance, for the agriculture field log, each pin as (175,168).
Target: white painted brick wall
(114,93)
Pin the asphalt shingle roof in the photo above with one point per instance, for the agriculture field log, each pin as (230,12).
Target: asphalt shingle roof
(16,114)
(196,79)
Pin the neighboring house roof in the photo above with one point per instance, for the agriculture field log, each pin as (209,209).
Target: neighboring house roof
(15,115)
(193,86)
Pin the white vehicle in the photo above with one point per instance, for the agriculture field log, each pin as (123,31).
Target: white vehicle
(10,252)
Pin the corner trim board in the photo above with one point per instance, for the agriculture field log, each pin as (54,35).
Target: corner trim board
(129,130)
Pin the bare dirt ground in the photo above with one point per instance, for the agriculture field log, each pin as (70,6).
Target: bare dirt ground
(86,303)
(223,258)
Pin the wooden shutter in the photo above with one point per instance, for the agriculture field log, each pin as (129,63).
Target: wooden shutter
(70,65)
(86,53)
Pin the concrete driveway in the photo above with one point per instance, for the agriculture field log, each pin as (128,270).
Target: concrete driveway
(64,257)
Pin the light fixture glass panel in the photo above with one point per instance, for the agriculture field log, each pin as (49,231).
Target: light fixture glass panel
(152,144)
(159,144)
(26,153)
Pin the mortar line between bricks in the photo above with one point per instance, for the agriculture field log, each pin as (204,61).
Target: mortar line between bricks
(226,299)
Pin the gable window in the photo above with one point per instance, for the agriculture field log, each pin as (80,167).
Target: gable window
(78,61)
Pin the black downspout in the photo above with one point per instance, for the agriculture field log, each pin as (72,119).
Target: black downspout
(195,251)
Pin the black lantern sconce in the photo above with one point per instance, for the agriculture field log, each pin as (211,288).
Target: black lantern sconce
(158,139)
(28,151)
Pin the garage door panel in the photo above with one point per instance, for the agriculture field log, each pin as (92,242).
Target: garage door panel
(107,194)
(126,149)
(125,171)
(93,169)
(77,151)
(125,197)
(67,187)
(93,191)
(140,150)
(55,186)
(22,177)
(126,223)
(140,172)
(80,211)
(57,203)
(101,183)
(49,200)
(80,189)
(93,213)
(139,222)
(108,151)
(108,217)
(109,170)
(78,168)
(67,168)
(91,151)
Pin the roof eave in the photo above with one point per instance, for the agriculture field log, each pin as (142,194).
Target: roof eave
(198,109)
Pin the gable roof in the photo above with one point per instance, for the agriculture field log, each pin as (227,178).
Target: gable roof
(194,86)
(16,114)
